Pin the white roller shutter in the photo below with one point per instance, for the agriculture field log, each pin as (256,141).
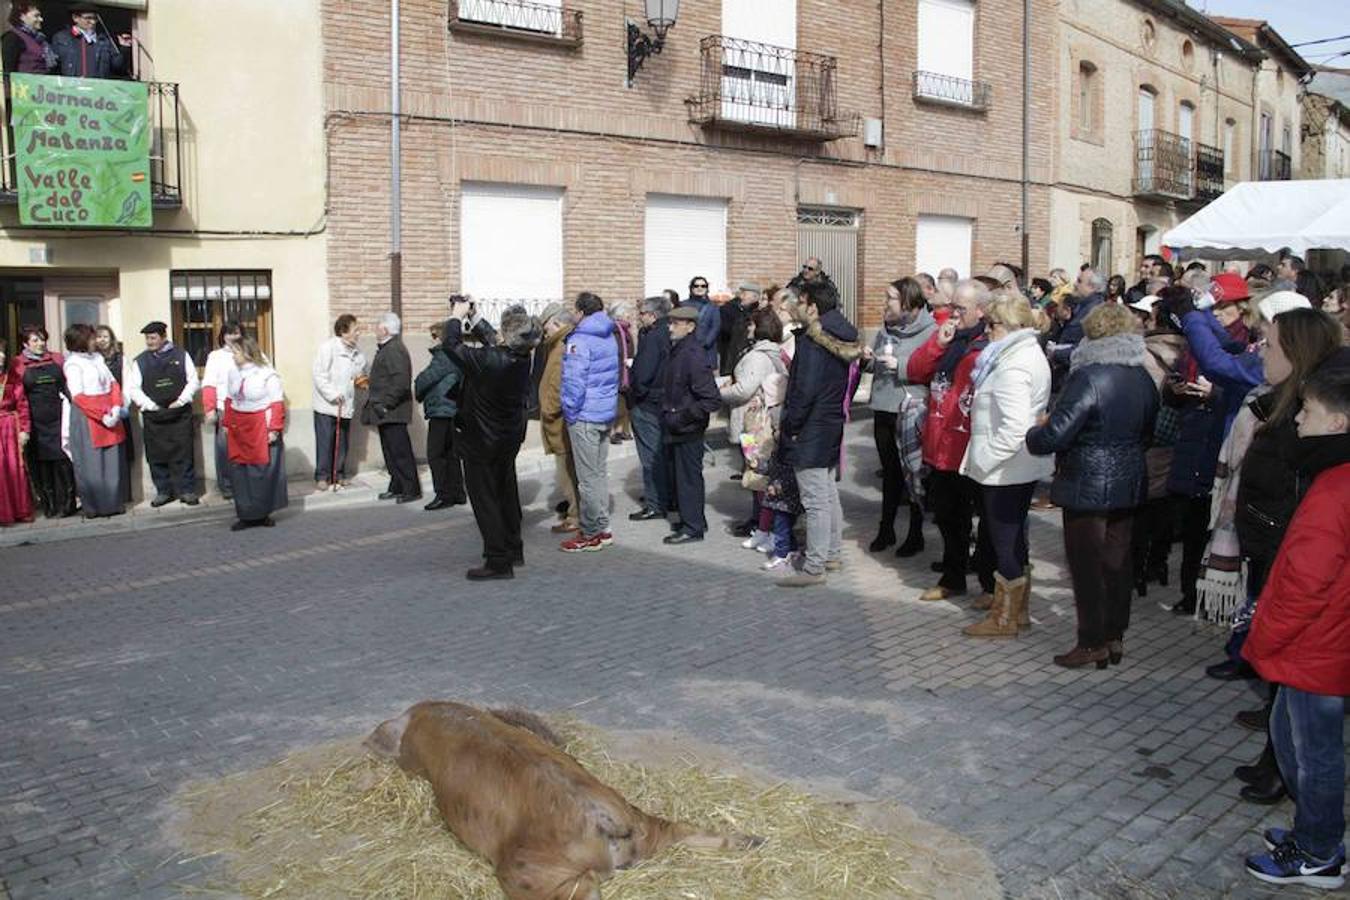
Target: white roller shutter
(510,239)
(763,21)
(684,237)
(947,38)
(942,242)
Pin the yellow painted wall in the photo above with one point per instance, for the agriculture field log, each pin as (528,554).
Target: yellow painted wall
(252,135)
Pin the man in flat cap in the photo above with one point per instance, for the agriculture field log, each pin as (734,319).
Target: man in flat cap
(689,398)
(162,382)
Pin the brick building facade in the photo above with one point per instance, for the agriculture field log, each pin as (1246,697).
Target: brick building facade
(542,114)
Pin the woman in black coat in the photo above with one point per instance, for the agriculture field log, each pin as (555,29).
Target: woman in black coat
(1099,427)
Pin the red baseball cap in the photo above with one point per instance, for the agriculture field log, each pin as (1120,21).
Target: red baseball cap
(1228,287)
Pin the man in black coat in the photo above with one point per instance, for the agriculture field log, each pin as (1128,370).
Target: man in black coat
(811,429)
(1089,292)
(689,398)
(734,337)
(389,408)
(645,389)
(491,428)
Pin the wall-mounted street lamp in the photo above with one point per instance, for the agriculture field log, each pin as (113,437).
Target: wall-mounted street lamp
(660,18)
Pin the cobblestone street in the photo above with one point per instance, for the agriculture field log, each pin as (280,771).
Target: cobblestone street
(132,663)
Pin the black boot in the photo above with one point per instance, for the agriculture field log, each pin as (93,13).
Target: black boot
(885,538)
(913,544)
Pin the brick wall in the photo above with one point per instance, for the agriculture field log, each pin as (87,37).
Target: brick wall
(488,108)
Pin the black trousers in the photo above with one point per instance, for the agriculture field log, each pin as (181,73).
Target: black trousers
(1193,513)
(1097,545)
(327,430)
(686,463)
(1152,536)
(953,498)
(399,460)
(495,498)
(1005,523)
(893,494)
(447,470)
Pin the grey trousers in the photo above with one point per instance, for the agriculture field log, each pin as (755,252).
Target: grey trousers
(824,518)
(590,452)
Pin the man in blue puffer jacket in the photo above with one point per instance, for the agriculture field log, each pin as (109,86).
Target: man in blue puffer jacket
(590,396)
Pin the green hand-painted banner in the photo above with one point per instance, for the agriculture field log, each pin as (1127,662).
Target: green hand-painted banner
(83,148)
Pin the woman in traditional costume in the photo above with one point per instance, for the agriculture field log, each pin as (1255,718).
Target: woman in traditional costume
(16,499)
(255,416)
(94,430)
(39,372)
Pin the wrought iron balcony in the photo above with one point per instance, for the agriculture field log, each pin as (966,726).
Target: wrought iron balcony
(746,86)
(1162,165)
(517,19)
(948,90)
(1209,178)
(166,150)
(1275,166)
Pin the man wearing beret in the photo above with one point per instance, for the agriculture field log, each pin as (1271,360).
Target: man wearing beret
(162,382)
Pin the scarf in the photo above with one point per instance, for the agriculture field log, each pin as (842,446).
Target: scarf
(48,54)
(965,340)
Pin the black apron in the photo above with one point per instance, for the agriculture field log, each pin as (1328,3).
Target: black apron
(45,383)
(168,432)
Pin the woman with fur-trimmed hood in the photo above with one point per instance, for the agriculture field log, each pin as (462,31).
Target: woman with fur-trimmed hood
(1098,428)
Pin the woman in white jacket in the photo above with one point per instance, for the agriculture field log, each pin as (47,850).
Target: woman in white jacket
(1012,388)
(760,373)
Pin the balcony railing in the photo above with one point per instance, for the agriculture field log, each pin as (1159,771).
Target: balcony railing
(1275,166)
(166,150)
(948,90)
(1162,165)
(1209,178)
(549,23)
(746,86)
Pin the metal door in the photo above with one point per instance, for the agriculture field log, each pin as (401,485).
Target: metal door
(832,236)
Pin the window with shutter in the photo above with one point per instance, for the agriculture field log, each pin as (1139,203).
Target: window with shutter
(684,237)
(510,243)
(943,242)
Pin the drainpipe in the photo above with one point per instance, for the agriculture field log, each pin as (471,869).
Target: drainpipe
(1026,133)
(396,171)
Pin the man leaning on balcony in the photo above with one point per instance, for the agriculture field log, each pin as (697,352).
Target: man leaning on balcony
(86,49)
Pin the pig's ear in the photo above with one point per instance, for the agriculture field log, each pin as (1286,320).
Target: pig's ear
(384,741)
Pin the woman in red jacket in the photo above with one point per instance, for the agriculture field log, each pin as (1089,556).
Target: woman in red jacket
(1300,640)
(946,363)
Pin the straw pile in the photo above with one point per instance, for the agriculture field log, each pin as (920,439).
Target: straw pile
(335,822)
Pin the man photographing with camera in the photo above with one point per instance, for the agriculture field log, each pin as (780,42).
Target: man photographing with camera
(491,425)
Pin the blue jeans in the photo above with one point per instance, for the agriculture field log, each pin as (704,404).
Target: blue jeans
(652,455)
(784,542)
(1307,731)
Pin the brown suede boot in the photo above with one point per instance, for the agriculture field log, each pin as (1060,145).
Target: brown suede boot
(1000,623)
(1023,605)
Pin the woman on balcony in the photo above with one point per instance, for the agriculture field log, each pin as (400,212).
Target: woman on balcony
(24,48)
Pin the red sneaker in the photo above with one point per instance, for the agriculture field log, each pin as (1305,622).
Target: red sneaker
(605,538)
(581,544)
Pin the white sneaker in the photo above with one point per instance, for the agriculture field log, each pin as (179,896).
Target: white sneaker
(778,563)
(756,540)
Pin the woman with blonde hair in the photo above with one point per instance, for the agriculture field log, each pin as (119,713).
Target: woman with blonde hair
(1012,388)
(1099,426)
(255,416)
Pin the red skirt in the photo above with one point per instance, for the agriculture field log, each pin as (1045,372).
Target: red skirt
(16,499)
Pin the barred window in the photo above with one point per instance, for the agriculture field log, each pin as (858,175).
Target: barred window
(203,301)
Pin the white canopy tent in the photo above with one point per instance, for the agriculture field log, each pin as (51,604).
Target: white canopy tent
(1260,217)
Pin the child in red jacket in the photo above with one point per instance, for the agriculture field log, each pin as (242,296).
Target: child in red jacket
(1300,640)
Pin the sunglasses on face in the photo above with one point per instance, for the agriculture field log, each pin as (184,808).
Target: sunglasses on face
(703,286)
(810,268)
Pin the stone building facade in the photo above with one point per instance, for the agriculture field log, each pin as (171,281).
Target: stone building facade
(1162,110)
